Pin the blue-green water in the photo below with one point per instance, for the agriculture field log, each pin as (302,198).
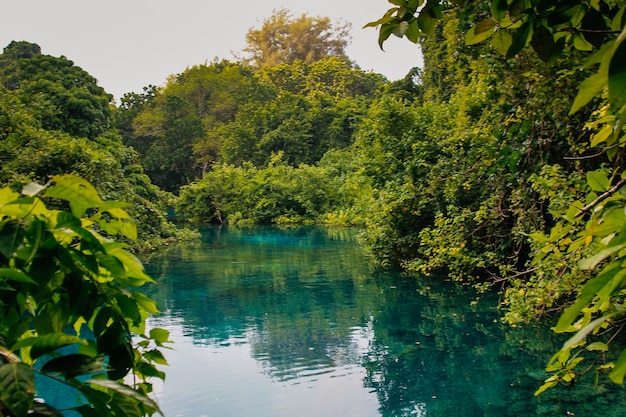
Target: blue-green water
(295,322)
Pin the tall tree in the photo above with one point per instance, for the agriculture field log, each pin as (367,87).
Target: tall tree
(587,240)
(283,39)
(62,96)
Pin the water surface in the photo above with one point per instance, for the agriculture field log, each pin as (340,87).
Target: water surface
(295,322)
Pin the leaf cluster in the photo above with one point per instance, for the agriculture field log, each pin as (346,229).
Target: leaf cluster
(70,307)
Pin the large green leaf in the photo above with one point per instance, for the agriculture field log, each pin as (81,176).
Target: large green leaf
(588,292)
(480,32)
(42,345)
(588,89)
(501,41)
(18,276)
(520,39)
(619,371)
(617,73)
(17,388)
(542,42)
(598,181)
(584,332)
(125,390)
(74,365)
(78,192)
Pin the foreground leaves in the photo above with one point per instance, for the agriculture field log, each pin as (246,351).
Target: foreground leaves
(66,303)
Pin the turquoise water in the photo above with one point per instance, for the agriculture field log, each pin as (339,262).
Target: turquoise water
(295,322)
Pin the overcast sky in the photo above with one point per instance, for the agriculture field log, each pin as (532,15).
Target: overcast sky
(129,44)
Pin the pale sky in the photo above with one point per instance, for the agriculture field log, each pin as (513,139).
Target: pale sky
(129,44)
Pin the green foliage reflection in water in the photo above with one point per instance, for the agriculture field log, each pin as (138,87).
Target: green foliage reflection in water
(312,311)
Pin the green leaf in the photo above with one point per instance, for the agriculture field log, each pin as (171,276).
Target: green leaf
(547,385)
(584,332)
(501,41)
(401,29)
(593,261)
(589,290)
(155,356)
(427,23)
(597,347)
(598,181)
(125,390)
(588,89)
(18,276)
(145,302)
(74,365)
(121,360)
(617,74)
(482,31)
(517,8)
(543,42)
(78,192)
(498,9)
(581,43)
(520,39)
(128,307)
(17,388)
(618,372)
(42,345)
(413,31)
(160,336)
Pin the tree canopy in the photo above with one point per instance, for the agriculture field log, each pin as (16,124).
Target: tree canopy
(284,39)
(582,250)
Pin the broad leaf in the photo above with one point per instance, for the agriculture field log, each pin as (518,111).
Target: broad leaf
(520,39)
(584,332)
(17,388)
(45,344)
(18,276)
(482,31)
(74,365)
(619,371)
(78,192)
(160,336)
(501,41)
(617,74)
(125,390)
(588,292)
(588,89)
(543,42)
(598,181)
(427,23)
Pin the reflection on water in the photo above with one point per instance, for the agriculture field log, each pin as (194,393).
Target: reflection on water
(294,322)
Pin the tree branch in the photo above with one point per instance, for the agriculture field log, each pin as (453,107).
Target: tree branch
(602,197)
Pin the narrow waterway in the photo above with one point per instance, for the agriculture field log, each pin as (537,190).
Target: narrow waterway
(271,322)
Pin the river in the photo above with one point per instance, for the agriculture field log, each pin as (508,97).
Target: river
(271,322)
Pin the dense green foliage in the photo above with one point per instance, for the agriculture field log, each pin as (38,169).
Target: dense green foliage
(68,311)
(580,242)
(500,163)
(54,119)
(224,112)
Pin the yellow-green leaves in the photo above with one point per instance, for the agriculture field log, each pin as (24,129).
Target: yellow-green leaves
(480,32)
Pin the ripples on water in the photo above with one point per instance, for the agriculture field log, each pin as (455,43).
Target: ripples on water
(294,322)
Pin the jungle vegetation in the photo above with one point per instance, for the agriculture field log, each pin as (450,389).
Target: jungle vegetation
(499,164)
